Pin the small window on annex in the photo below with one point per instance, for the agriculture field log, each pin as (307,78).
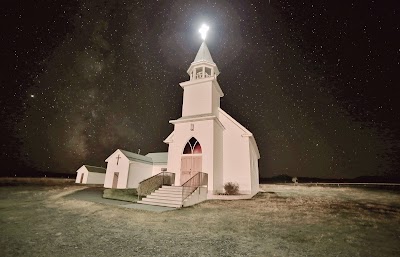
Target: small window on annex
(192,147)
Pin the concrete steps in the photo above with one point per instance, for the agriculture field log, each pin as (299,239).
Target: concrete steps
(169,196)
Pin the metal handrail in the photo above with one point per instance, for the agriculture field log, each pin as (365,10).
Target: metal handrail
(198,180)
(153,183)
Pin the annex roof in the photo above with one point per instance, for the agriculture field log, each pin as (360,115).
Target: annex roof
(150,158)
(159,158)
(136,157)
(95,169)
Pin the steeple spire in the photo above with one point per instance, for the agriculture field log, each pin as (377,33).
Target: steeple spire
(203,54)
(202,93)
(203,65)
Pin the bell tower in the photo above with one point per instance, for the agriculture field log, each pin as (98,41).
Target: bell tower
(202,93)
(196,145)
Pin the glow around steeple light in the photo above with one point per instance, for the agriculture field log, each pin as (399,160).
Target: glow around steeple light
(203,31)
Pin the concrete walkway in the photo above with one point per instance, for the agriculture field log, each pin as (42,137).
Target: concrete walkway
(145,207)
(95,195)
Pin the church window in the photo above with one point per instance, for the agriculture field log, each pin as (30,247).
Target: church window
(192,147)
(199,73)
(188,149)
(208,72)
(197,148)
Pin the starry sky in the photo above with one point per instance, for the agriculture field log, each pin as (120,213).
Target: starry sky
(315,81)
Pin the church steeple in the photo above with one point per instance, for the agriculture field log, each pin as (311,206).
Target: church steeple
(203,65)
(202,93)
(203,54)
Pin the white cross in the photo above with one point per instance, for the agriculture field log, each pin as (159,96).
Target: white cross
(203,31)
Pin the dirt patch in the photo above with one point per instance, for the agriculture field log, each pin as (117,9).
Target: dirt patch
(284,221)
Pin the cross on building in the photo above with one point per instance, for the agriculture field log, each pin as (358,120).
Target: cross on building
(118,157)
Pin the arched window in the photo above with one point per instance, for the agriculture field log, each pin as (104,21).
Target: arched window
(192,147)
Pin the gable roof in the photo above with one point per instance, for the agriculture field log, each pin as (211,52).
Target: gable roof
(159,158)
(169,139)
(150,158)
(203,54)
(95,169)
(136,157)
(245,130)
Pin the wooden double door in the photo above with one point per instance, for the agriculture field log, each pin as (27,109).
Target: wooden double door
(190,166)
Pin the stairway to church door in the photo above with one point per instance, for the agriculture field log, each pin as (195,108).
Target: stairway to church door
(190,166)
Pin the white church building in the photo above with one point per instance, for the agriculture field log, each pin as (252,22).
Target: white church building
(205,141)
(206,138)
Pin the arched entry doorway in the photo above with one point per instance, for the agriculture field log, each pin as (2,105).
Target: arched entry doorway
(191,161)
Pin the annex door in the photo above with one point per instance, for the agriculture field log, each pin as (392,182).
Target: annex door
(191,161)
(115,180)
(82,177)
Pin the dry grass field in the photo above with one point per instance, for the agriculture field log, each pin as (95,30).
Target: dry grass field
(283,221)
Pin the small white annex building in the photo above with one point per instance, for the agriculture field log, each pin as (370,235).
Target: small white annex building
(126,169)
(207,139)
(90,175)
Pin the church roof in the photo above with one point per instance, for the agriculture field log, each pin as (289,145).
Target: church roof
(95,169)
(158,158)
(203,54)
(196,116)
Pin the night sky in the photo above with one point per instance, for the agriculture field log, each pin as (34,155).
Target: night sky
(315,81)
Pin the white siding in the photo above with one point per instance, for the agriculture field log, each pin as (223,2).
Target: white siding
(157,168)
(96,178)
(89,177)
(203,132)
(138,172)
(255,184)
(79,172)
(218,182)
(216,99)
(197,99)
(122,168)
(236,156)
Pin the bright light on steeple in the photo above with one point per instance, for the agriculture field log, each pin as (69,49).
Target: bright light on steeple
(203,31)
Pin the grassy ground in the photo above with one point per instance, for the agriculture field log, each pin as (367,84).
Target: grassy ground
(129,195)
(283,221)
(17,181)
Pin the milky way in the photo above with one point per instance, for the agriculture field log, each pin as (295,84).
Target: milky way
(314,83)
